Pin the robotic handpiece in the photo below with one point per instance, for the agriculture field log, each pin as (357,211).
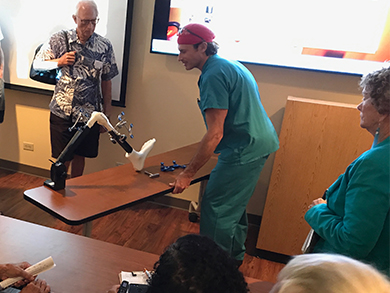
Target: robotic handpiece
(58,169)
(136,158)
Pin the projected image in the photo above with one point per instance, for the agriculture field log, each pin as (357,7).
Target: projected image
(347,36)
(362,35)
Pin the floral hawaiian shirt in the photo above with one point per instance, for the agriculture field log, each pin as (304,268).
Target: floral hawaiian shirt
(78,88)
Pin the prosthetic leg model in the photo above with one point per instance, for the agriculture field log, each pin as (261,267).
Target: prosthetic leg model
(58,172)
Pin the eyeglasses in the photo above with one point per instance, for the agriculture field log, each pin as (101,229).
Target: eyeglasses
(88,21)
(181,31)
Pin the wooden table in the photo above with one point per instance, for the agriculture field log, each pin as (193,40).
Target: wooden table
(82,264)
(98,194)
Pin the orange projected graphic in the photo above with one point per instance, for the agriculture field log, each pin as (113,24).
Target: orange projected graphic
(381,54)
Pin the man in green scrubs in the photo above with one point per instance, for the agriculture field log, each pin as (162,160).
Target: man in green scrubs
(238,128)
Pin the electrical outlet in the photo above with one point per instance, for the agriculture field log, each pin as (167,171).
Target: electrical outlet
(28,146)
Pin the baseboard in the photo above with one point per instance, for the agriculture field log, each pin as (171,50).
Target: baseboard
(254,219)
(185,204)
(17,167)
(273,256)
(163,200)
(172,202)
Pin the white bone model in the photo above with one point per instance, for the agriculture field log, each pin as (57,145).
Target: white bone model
(136,158)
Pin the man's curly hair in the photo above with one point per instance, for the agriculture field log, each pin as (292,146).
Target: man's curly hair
(377,84)
(212,48)
(196,264)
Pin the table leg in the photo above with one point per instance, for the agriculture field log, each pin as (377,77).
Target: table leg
(194,208)
(87,229)
(202,189)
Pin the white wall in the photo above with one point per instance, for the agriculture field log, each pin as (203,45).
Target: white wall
(161,103)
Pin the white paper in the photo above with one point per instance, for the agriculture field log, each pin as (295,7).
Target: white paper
(136,277)
(307,242)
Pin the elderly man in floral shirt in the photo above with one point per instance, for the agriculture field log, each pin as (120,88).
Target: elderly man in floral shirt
(86,64)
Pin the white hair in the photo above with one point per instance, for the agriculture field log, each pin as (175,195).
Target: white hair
(88,3)
(329,273)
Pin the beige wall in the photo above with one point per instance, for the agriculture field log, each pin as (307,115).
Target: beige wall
(161,103)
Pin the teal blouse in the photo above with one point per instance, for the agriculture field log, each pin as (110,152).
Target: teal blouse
(355,221)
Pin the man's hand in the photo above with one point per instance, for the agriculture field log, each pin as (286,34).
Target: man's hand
(38,286)
(215,119)
(16,270)
(182,181)
(67,59)
(316,202)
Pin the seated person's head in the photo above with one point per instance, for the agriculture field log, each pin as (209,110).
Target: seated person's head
(376,85)
(195,263)
(329,273)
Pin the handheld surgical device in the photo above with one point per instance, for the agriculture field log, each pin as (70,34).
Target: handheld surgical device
(58,171)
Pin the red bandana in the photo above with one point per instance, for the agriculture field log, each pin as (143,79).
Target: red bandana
(194,33)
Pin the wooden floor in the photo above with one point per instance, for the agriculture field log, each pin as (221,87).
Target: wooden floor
(147,226)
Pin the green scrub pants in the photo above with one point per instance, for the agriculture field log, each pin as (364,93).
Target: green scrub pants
(223,207)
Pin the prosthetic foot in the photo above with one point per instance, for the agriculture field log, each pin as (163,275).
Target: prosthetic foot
(138,158)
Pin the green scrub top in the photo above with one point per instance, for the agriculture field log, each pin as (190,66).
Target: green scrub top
(248,132)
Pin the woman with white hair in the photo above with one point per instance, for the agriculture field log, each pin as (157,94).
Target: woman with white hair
(329,273)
